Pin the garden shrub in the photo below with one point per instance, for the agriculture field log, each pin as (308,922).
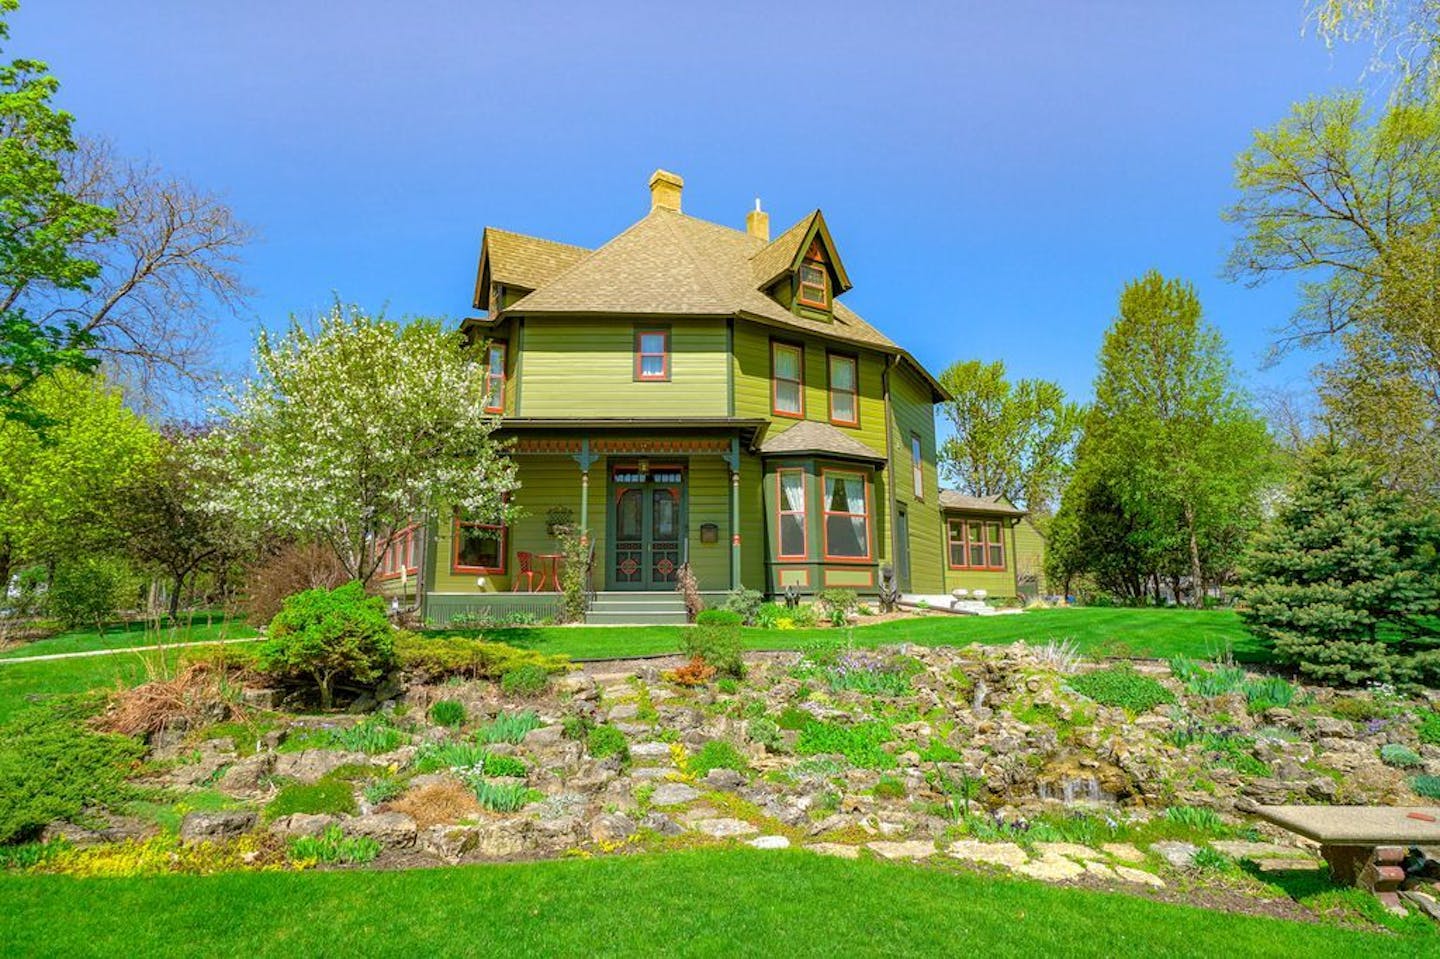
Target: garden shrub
(87,591)
(28,855)
(728,685)
(1427,786)
(1400,756)
(837,604)
(448,712)
(697,672)
(744,602)
(329,636)
(1123,687)
(861,744)
(1428,727)
(504,766)
(1361,709)
(770,616)
(716,639)
(54,767)
(508,728)
(383,790)
(526,681)
(765,730)
(333,847)
(435,657)
(606,741)
(716,754)
(329,796)
(575,726)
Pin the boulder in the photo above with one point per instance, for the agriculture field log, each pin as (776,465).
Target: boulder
(724,827)
(660,823)
(612,827)
(673,794)
(448,842)
(501,838)
(544,736)
(301,824)
(391,829)
(313,765)
(216,825)
(724,779)
(1178,854)
(245,776)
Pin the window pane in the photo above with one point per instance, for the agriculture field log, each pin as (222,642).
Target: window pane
(666,516)
(812,275)
(842,373)
(842,407)
(787,363)
(792,491)
(479,546)
(957,554)
(497,360)
(629,516)
(652,342)
(792,534)
(787,397)
(977,554)
(975,535)
(652,366)
(997,555)
(846,536)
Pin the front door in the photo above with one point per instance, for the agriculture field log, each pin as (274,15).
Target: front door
(902,551)
(649,527)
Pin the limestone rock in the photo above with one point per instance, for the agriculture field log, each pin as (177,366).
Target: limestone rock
(724,779)
(388,828)
(837,849)
(724,827)
(448,842)
(222,824)
(1071,849)
(1178,854)
(612,827)
(1123,851)
(769,842)
(313,765)
(1051,868)
(244,776)
(301,824)
(1006,854)
(1131,874)
(673,794)
(911,849)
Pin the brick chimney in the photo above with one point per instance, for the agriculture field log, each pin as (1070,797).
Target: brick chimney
(757,223)
(665,190)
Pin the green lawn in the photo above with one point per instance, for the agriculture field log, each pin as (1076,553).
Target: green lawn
(20,683)
(697,903)
(1152,633)
(131,635)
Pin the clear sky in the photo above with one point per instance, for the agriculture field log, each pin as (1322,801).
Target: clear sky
(992,172)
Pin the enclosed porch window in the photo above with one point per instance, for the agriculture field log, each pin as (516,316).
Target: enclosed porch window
(976,544)
(479,547)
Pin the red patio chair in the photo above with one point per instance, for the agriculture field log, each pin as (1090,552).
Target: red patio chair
(526,567)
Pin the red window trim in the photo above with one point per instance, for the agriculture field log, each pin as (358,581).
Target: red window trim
(826,513)
(775,380)
(664,355)
(964,543)
(917,468)
(397,552)
(455,566)
(815,260)
(490,377)
(854,362)
(780,512)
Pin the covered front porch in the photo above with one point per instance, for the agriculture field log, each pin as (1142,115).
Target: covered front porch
(648,497)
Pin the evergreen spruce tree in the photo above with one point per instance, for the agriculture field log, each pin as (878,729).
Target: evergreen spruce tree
(1345,581)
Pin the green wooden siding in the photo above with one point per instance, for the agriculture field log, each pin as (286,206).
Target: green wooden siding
(708,487)
(587,367)
(914,413)
(994,582)
(1030,558)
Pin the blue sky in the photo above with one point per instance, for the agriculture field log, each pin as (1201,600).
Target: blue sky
(992,172)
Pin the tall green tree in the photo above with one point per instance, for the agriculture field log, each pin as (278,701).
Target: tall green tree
(1170,441)
(1010,439)
(1345,582)
(41,223)
(359,428)
(57,489)
(1349,204)
(1405,34)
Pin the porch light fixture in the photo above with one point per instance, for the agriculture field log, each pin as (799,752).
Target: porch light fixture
(644,467)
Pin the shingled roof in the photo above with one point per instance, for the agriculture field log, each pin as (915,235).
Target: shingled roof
(810,437)
(515,259)
(995,505)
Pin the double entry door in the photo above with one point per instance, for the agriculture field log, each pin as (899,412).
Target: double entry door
(648,526)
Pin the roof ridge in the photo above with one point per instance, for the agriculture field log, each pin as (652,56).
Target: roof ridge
(539,239)
(700,263)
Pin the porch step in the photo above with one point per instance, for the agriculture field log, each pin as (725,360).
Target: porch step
(636,609)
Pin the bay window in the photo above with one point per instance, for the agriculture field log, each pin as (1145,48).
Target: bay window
(847,515)
(791,514)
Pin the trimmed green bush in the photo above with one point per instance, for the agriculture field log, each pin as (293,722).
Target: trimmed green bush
(436,657)
(716,754)
(716,640)
(1400,756)
(1427,786)
(448,712)
(327,797)
(1123,687)
(745,602)
(525,681)
(328,636)
(606,741)
(507,766)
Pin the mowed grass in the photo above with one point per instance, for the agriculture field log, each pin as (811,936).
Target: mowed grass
(695,903)
(24,683)
(201,628)
(1143,633)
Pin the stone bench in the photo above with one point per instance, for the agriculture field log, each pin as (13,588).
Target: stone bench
(1363,845)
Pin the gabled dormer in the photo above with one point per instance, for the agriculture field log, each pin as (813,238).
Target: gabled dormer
(513,264)
(801,269)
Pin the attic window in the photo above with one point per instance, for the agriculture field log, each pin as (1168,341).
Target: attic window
(814,279)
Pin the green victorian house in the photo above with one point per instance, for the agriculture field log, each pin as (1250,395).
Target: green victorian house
(689,392)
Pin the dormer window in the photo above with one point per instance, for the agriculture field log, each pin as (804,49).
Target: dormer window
(814,279)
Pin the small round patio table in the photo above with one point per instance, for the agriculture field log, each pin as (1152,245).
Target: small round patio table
(550,564)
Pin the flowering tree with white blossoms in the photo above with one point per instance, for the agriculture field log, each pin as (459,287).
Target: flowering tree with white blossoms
(360,428)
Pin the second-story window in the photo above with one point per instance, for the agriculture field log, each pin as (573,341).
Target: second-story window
(917,467)
(844,390)
(495,377)
(652,354)
(787,364)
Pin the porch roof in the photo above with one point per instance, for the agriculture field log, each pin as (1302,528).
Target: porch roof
(750,430)
(997,505)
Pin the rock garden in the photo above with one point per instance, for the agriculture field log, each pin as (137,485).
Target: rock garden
(1024,760)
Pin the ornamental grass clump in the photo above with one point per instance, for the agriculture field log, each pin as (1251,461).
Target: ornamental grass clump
(326,636)
(503,797)
(1427,786)
(333,848)
(508,727)
(432,757)
(448,712)
(437,803)
(374,734)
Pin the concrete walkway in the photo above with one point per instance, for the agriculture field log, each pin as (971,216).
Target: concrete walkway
(125,649)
